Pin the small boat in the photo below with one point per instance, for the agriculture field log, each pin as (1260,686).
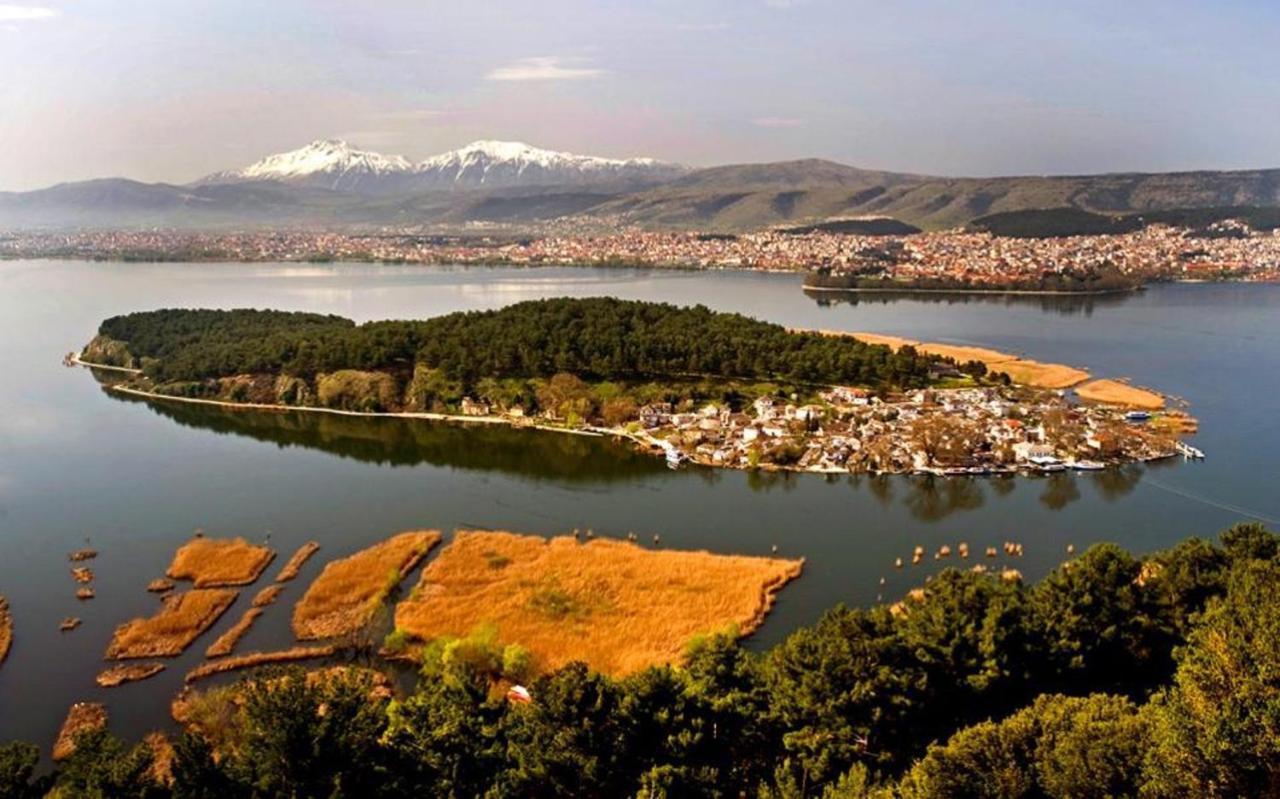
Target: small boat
(1137,416)
(1189,452)
(1088,466)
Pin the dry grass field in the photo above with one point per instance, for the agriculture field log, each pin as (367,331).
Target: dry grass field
(294,565)
(1117,392)
(1021,370)
(217,562)
(345,596)
(226,642)
(615,605)
(181,620)
(6,629)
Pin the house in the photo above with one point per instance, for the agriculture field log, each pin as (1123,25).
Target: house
(656,414)
(1028,451)
(472,407)
(764,408)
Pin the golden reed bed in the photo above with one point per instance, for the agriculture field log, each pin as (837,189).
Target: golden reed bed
(615,605)
(253,659)
(345,596)
(179,622)
(296,562)
(6,629)
(226,642)
(218,562)
(82,717)
(127,672)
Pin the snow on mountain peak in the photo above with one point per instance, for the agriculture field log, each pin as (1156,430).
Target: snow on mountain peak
(487,163)
(322,156)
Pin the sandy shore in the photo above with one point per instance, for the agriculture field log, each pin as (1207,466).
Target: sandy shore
(1023,371)
(1118,392)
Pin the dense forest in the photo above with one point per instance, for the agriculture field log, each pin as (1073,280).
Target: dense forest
(1113,676)
(592,339)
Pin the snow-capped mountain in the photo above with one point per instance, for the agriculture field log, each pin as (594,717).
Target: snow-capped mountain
(503,164)
(325,163)
(336,165)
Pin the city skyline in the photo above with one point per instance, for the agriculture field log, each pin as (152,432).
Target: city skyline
(103,89)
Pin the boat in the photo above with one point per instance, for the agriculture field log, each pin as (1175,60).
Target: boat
(1189,452)
(1087,466)
(1137,416)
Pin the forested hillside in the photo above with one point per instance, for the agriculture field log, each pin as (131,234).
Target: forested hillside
(1113,676)
(598,338)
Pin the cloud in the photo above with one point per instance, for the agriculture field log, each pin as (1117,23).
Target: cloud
(777,122)
(543,68)
(10,13)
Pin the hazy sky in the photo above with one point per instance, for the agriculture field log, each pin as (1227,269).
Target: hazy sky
(170,90)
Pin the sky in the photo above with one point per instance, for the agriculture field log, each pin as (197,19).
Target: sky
(170,91)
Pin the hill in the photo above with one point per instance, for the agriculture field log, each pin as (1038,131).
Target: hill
(332,184)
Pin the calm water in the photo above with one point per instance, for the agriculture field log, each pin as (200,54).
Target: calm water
(137,479)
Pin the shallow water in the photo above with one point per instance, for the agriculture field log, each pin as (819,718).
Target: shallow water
(135,479)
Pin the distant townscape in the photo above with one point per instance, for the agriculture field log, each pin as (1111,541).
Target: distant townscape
(949,260)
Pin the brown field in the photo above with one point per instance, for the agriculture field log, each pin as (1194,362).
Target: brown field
(181,620)
(1118,392)
(226,642)
(252,659)
(267,595)
(127,672)
(615,605)
(294,565)
(343,599)
(1021,370)
(82,717)
(217,562)
(6,629)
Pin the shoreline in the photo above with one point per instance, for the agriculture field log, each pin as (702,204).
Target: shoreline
(1015,292)
(645,443)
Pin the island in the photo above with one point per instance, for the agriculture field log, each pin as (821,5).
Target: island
(687,383)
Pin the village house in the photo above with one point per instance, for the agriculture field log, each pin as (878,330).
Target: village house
(471,407)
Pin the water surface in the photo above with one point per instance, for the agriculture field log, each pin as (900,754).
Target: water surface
(135,479)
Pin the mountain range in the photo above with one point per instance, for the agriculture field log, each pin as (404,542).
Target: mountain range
(333,184)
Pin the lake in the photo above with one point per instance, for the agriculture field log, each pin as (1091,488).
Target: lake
(136,479)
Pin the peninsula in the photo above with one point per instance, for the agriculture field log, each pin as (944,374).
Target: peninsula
(695,385)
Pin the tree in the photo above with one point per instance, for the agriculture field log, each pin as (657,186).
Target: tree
(1060,746)
(1096,623)
(18,778)
(102,767)
(1217,730)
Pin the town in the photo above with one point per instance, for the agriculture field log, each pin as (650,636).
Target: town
(1227,251)
(957,431)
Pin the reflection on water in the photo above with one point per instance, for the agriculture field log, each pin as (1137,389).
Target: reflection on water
(931,498)
(1060,490)
(411,442)
(1065,304)
(1115,483)
(542,455)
